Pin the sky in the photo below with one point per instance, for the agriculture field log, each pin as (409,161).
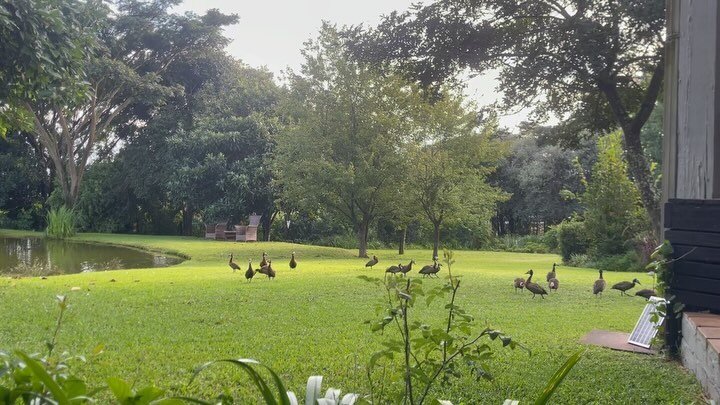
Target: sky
(271,34)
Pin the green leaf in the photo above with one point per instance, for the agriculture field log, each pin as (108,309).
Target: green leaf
(262,386)
(120,389)
(558,377)
(39,371)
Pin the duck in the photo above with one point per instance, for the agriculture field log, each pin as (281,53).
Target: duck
(232,264)
(646,293)
(393,269)
(263,270)
(405,269)
(625,285)
(430,269)
(553,284)
(599,285)
(534,288)
(519,283)
(249,273)
(551,274)
(270,271)
(267,270)
(372,262)
(264,261)
(293,262)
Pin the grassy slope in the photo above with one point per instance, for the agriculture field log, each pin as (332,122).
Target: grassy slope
(158,324)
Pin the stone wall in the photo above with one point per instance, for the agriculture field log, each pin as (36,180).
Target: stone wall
(700,350)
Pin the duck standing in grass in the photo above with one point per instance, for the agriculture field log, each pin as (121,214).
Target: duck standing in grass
(551,274)
(293,262)
(270,271)
(264,261)
(372,262)
(232,264)
(625,285)
(263,270)
(534,288)
(393,269)
(553,284)
(249,273)
(267,270)
(406,269)
(646,293)
(599,286)
(431,269)
(519,284)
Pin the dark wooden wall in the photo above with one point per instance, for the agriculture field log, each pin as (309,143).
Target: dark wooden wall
(693,229)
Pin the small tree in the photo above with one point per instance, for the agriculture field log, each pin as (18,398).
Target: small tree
(342,147)
(614,212)
(428,352)
(451,163)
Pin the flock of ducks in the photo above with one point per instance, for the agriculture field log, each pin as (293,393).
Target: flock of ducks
(431,270)
(427,271)
(265,267)
(598,286)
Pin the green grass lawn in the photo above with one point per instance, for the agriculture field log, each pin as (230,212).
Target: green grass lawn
(158,324)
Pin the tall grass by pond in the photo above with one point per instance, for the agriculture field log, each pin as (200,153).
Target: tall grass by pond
(61,223)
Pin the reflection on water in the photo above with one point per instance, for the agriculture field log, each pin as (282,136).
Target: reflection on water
(39,257)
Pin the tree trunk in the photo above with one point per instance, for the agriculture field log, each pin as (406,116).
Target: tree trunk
(638,167)
(641,176)
(267,221)
(187,220)
(403,235)
(362,238)
(436,239)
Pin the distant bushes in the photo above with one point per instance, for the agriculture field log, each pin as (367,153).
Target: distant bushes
(520,244)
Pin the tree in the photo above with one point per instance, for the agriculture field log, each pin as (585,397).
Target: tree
(599,59)
(451,163)
(613,211)
(539,176)
(44,45)
(140,41)
(24,182)
(341,148)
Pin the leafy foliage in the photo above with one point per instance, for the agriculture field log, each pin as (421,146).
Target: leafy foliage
(572,238)
(44,46)
(540,176)
(61,223)
(599,61)
(24,183)
(220,168)
(452,162)
(428,352)
(341,149)
(614,213)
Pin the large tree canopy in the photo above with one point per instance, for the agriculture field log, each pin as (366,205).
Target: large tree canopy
(341,149)
(44,46)
(599,60)
(140,41)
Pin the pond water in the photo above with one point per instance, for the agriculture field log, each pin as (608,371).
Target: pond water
(43,257)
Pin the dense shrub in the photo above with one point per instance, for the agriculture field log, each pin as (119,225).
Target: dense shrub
(628,261)
(550,239)
(578,260)
(572,238)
